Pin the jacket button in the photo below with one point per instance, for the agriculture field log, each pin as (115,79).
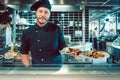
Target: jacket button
(40,49)
(42,59)
(38,40)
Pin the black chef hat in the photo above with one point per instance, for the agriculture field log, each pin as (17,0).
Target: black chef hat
(41,3)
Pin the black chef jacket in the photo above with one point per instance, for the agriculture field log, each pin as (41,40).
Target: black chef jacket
(44,44)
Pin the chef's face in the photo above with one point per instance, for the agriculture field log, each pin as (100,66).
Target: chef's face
(42,15)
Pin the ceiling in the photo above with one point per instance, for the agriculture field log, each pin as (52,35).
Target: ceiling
(98,8)
(89,2)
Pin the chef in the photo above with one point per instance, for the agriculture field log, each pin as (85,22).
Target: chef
(43,40)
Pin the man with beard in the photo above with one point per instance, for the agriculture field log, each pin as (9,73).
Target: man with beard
(43,40)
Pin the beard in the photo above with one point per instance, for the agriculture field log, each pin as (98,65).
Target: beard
(42,20)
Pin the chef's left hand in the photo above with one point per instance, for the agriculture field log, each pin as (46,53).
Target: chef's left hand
(74,54)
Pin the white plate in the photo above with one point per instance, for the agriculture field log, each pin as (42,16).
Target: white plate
(99,59)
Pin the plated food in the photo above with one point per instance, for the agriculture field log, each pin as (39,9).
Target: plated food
(78,53)
(9,55)
(96,54)
(73,50)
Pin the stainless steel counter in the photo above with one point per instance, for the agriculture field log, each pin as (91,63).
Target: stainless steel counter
(66,69)
(67,72)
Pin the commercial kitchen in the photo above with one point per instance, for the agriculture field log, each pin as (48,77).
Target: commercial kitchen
(92,26)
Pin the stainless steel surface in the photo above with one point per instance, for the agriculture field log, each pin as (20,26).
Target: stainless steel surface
(59,77)
(83,24)
(14,26)
(67,72)
(86,69)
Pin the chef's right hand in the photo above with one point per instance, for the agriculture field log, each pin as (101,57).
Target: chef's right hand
(25,60)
